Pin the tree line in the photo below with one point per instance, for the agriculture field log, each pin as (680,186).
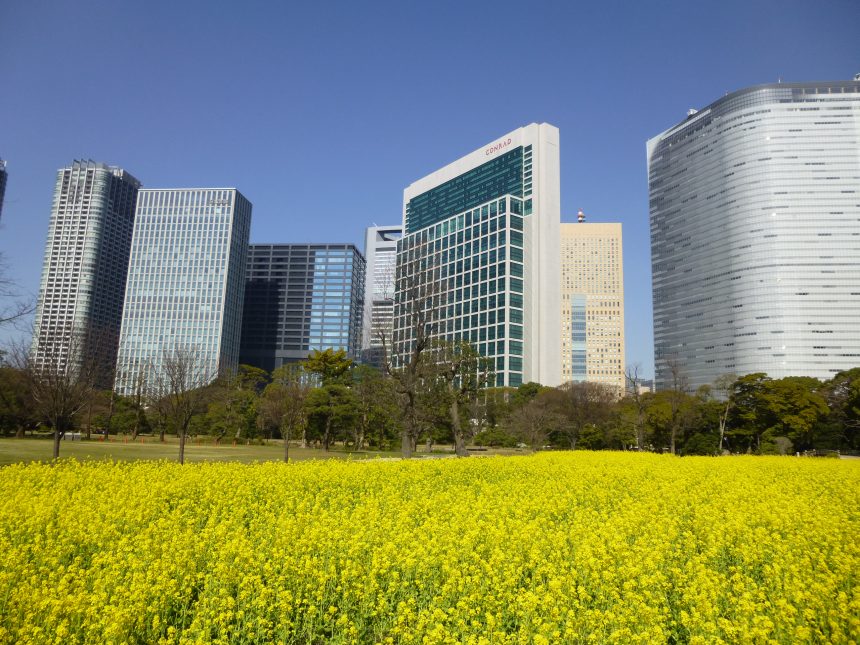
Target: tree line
(441,394)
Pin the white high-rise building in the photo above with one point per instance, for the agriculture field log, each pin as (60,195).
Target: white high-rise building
(592,303)
(80,302)
(186,283)
(480,252)
(755,235)
(380,252)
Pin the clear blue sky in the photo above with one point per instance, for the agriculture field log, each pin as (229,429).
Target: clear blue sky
(321,113)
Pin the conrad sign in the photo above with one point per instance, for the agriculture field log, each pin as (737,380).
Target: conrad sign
(501,145)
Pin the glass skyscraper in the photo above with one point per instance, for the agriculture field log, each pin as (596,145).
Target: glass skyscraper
(79,310)
(301,297)
(186,281)
(755,234)
(480,256)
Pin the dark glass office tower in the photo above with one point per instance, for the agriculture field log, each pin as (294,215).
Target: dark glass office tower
(301,297)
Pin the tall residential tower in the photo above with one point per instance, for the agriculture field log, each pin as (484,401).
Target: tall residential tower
(86,258)
(592,304)
(755,234)
(480,255)
(186,281)
(301,297)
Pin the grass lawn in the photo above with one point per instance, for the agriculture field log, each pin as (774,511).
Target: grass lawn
(39,449)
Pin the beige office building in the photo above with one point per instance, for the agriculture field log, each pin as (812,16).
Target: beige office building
(592,304)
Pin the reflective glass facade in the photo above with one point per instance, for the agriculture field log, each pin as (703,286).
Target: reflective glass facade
(301,297)
(480,261)
(86,259)
(469,269)
(755,234)
(578,337)
(186,282)
(501,176)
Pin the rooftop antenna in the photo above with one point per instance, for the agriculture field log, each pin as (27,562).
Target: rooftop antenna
(580,216)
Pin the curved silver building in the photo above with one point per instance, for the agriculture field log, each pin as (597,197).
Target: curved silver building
(755,235)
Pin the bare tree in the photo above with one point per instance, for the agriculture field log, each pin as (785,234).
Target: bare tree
(137,383)
(283,403)
(183,375)
(464,373)
(378,312)
(534,421)
(634,382)
(723,387)
(404,356)
(14,306)
(61,380)
(584,404)
(680,386)
(156,390)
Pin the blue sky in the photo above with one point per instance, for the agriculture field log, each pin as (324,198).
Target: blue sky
(321,113)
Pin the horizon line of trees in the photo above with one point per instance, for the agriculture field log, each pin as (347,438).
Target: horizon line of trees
(440,394)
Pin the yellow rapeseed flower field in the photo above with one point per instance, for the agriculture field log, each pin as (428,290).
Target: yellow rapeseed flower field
(554,548)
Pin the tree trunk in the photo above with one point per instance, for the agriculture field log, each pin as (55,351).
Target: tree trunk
(672,440)
(182,447)
(57,436)
(460,445)
(136,430)
(286,434)
(89,419)
(327,432)
(109,420)
(459,438)
(362,432)
(161,434)
(407,442)
(406,445)
(724,417)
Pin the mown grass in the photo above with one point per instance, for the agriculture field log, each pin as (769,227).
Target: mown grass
(150,449)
